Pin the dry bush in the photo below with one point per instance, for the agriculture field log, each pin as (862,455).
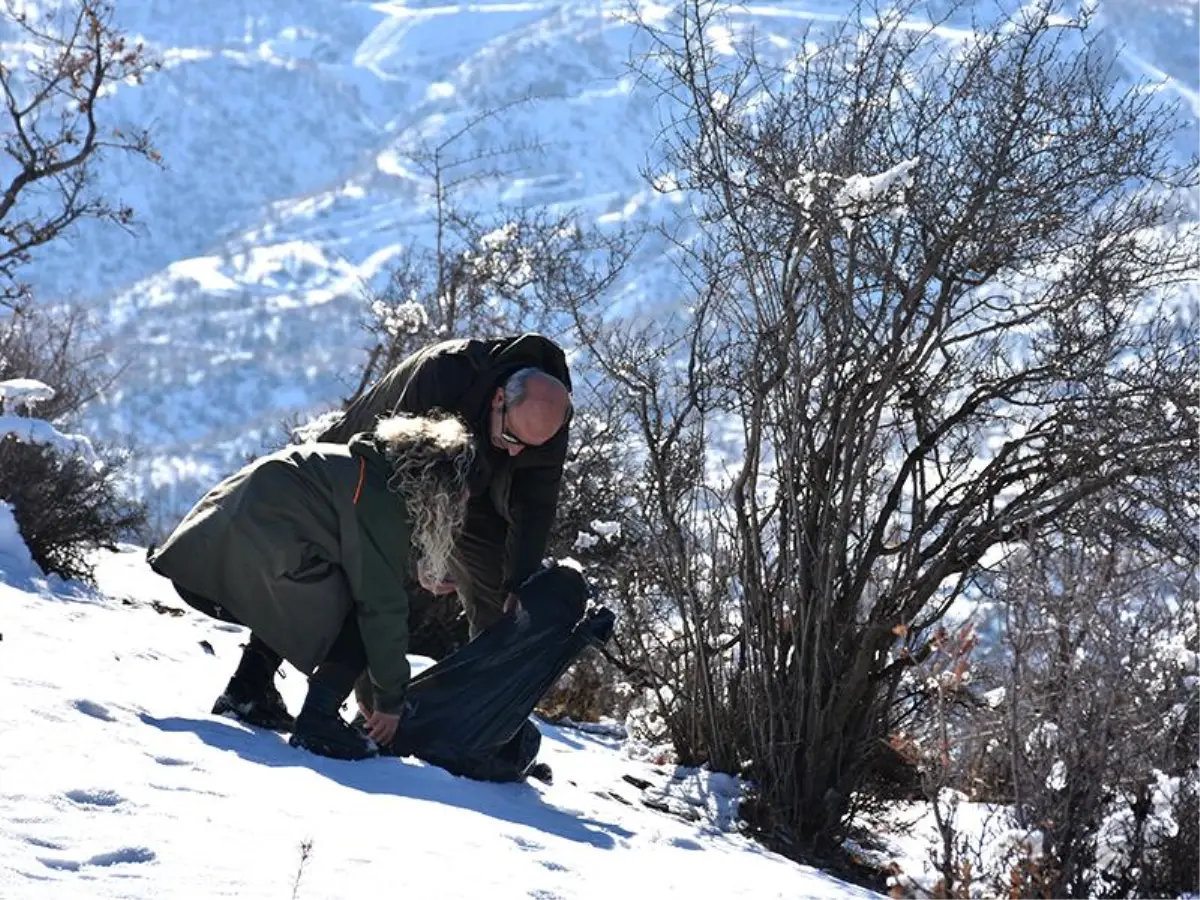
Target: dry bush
(64,507)
(1099,725)
(932,308)
(1079,718)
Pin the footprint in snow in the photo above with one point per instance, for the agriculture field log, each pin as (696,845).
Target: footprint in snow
(43,843)
(114,858)
(94,709)
(552,866)
(186,790)
(95,798)
(541,894)
(171,761)
(526,844)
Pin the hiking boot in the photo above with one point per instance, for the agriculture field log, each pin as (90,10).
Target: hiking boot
(251,695)
(320,728)
(261,706)
(523,749)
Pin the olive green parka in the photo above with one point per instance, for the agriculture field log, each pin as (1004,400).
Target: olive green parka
(295,542)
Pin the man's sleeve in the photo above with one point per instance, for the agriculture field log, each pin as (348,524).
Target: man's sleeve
(415,386)
(533,503)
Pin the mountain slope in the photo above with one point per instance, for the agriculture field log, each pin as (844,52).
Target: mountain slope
(289,134)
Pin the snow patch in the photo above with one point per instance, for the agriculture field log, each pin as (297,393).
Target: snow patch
(25,391)
(17,567)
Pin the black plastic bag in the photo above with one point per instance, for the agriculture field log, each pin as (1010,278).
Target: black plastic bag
(469,713)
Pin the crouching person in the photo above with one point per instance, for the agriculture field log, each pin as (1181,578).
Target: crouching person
(309,547)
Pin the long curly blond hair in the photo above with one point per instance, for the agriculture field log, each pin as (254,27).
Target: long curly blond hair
(431,458)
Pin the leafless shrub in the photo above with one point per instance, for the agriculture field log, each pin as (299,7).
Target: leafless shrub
(306,846)
(1099,724)
(64,507)
(58,347)
(934,308)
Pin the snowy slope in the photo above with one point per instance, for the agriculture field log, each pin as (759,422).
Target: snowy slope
(288,132)
(116,783)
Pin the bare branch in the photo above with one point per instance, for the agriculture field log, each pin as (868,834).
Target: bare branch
(54,134)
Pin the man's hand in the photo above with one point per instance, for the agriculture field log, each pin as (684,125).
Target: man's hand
(381,728)
(512,603)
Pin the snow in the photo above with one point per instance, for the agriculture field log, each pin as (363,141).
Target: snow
(607,530)
(16,565)
(992,842)
(38,431)
(857,195)
(115,782)
(26,391)
(407,317)
(863,189)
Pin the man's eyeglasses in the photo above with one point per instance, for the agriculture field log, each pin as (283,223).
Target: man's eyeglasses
(505,435)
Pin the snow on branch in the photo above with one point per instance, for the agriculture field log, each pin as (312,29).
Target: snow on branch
(407,317)
(864,189)
(857,195)
(25,393)
(608,531)
(39,431)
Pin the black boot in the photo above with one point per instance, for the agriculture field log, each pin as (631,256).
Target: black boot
(523,750)
(251,695)
(321,729)
(540,771)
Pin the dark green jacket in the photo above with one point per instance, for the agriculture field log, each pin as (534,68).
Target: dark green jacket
(461,376)
(295,542)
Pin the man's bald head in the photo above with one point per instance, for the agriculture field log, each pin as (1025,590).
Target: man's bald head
(533,407)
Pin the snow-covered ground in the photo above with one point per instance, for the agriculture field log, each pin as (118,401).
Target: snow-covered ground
(115,782)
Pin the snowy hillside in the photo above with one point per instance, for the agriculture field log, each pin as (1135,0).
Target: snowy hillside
(116,783)
(288,132)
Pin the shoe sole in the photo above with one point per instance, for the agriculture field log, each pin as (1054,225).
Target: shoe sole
(229,710)
(318,749)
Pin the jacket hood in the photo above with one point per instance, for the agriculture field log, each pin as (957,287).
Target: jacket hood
(410,443)
(531,350)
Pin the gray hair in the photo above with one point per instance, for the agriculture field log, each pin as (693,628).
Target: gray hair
(431,459)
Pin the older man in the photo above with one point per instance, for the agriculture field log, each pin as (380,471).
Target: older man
(515,395)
